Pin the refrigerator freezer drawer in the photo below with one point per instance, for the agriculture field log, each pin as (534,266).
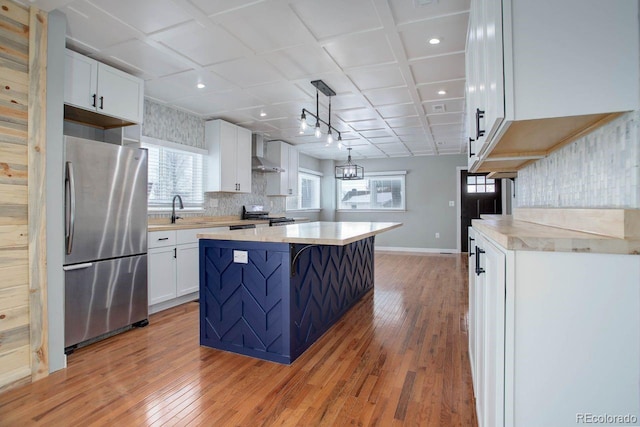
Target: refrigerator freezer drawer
(104,296)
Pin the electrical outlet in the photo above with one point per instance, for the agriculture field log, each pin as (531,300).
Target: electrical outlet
(452,203)
(241,257)
(437,235)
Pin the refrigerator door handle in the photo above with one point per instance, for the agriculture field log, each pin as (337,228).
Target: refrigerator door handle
(71,215)
(77,266)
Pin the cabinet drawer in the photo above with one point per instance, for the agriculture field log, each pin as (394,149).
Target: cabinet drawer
(159,239)
(190,235)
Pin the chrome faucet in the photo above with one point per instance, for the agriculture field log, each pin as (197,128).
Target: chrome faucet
(173,208)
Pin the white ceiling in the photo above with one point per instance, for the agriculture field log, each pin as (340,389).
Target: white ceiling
(259,56)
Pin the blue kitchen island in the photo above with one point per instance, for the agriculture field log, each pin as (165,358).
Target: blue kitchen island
(271,292)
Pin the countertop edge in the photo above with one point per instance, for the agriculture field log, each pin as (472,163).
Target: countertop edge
(518,235)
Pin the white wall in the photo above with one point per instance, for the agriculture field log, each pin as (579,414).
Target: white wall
(430,185)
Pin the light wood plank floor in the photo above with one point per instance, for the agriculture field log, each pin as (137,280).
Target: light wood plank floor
(399,357)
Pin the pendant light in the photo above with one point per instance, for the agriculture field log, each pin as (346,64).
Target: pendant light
(326,90)
(349,171)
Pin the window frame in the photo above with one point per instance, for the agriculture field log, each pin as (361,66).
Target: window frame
(145,142)
(298,208)
(372,176)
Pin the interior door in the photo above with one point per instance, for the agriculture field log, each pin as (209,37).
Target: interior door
(479,195)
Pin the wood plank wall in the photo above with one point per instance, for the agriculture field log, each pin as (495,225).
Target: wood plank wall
(20,360)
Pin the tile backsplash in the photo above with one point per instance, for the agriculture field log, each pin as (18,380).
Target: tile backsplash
(169,124)
(601,169)
(231,204)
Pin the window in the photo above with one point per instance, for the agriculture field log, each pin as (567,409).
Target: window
(308,192)
(174,171)
(381,191)
(480,184)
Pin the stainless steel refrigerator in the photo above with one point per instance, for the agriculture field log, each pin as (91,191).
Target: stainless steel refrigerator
(105,264)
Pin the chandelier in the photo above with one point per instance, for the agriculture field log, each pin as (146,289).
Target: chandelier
(349,171)
(327,91)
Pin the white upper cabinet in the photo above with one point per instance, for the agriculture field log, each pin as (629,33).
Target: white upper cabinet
(286,156)
(93,86)
(229,159)
(542,73)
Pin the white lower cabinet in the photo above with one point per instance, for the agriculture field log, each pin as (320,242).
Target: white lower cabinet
(554,337)
(173,267)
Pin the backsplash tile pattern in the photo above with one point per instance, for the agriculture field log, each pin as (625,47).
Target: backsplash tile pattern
(231,204)
(601,169)
(170,124)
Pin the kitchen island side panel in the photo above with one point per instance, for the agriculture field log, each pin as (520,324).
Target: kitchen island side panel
(260,309)
(328,281)
(244,306)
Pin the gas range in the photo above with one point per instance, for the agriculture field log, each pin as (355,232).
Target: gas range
(257,212)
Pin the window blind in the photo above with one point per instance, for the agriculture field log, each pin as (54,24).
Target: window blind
(173,171)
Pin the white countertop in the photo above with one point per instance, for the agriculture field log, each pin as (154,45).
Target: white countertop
(318,233)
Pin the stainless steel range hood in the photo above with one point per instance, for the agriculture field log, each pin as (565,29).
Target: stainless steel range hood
(258,162)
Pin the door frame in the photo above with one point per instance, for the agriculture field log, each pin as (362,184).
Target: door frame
(459,207)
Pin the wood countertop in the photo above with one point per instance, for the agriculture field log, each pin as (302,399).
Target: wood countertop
(163,224)
(316,233)
(517,235)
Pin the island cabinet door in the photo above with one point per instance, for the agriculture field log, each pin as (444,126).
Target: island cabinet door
(244,298)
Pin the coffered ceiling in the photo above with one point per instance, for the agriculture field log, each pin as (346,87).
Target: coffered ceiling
(258,57)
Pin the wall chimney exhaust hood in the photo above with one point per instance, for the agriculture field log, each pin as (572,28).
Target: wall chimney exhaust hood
(258,162)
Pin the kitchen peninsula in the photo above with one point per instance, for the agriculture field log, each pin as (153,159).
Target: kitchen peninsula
(271,292)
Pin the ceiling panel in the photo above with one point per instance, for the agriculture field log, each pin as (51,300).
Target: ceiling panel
(406,11)
(415,37)
(440,68)
(205,46)
(400,122)
(323,21)
(377,77)
(247,72)
(453,89)
(397,110)
(396,95)
(303,61)
(146,16)
(280,93)
(183,85)
(209,7)
(377,133)
(89,29)
(358,114)
(446,119)
(367,125)
(383,139)
(347,102)
(265,27)
(138,57)
(212,105)
(361,49)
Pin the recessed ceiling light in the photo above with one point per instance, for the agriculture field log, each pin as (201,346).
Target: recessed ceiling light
(442,92)
(201,86)
(263,114)
(434,40)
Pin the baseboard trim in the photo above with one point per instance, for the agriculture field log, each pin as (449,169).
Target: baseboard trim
(420,250)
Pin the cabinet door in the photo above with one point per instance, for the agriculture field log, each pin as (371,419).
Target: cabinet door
(119,94)
(80,80)
(472,304)
(188,271)
(162,274)
(491,301)
(243,160)
(493,68)
(292,178)
(227,160)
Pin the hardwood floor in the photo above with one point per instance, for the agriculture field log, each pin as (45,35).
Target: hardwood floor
(399,357)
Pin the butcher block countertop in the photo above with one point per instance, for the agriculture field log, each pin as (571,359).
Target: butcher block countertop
(311,233)
(163,224)
(513,234)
